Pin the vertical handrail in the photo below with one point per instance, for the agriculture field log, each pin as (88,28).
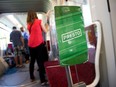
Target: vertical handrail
(69,77)
(97,55)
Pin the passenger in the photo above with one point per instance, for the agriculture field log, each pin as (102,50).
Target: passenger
(26,48)
(18,43)
(9,57)
(36,44)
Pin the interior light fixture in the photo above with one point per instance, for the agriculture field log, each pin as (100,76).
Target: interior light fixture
(14,20)
(4,27)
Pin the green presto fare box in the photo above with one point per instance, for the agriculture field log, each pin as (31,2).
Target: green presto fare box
(71,35)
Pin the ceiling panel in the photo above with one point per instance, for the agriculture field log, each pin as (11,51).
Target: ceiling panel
(14,6)
(4,20)
(19,8)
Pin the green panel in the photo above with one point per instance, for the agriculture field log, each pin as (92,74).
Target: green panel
(70,35)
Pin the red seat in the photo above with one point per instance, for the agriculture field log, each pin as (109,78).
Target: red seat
(57,75)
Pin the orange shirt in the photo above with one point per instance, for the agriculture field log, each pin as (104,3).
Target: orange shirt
(35,38)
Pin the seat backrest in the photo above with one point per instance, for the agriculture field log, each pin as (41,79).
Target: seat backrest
(97,25)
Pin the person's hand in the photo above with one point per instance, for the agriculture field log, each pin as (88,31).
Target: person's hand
(22,47)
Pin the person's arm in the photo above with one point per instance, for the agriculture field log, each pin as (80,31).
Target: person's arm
(10,38)
(22,40)
(43,27)
(48,14)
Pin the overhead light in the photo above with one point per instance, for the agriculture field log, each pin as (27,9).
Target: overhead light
(14,20)
(4,27)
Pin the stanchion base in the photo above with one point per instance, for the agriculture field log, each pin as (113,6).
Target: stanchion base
(80,84)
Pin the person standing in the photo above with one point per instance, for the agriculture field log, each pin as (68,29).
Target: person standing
(26,48)
(18,44)
(36,45)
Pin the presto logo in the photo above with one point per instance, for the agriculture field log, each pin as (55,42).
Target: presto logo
(71,35)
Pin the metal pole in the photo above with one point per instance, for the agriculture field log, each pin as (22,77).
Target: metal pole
(68,76)
(77,73)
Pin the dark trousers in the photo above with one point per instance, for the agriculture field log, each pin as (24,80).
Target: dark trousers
(38,53)
(26,50)
(26,56)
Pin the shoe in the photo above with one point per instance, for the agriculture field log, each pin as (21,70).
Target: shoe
(32,80)
(43,83)
(21,66)
(27,62)
(47,83)
(17,66)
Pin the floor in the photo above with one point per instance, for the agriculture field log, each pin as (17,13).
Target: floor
(19,77)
